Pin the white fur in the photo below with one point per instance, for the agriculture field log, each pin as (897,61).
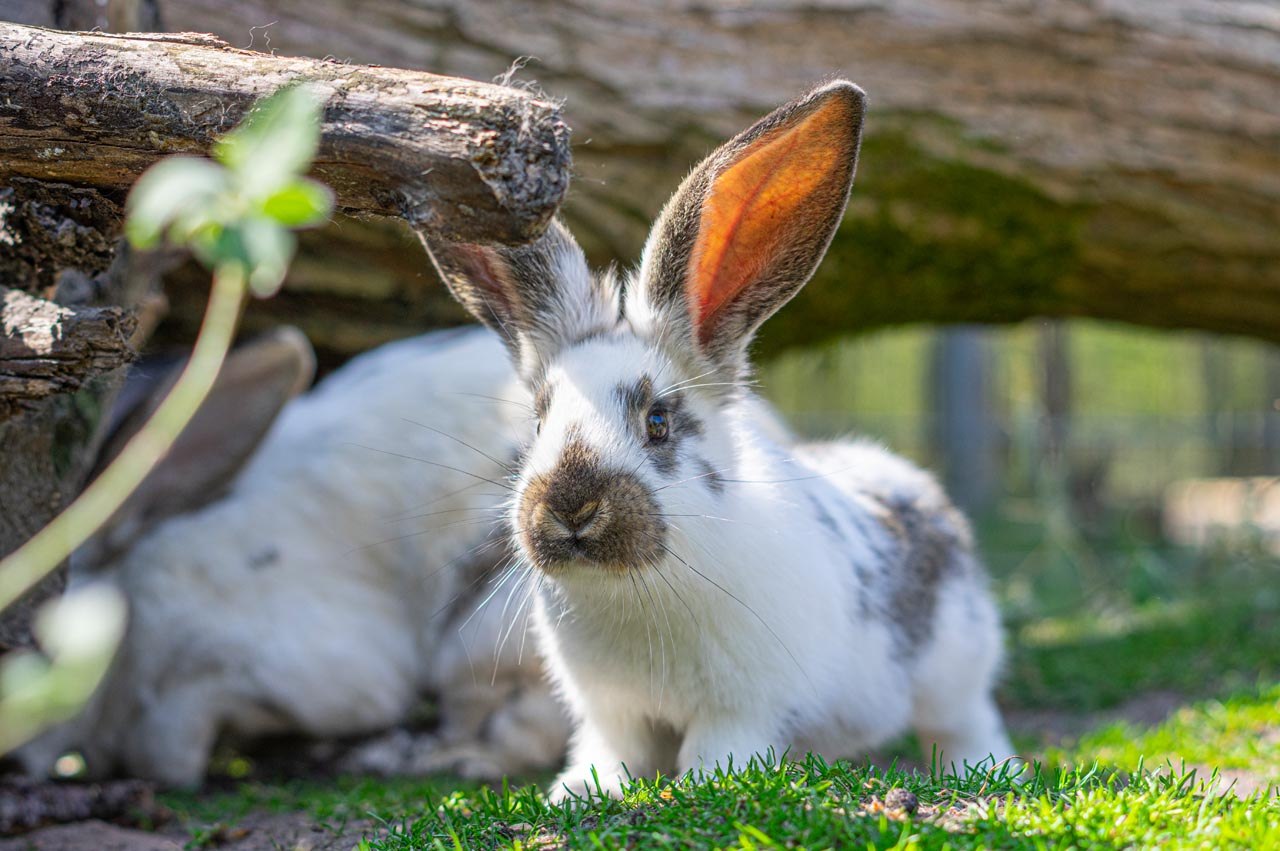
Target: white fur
(746,634)
(311,599)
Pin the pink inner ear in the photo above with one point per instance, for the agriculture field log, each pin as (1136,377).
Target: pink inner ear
(486,270)
(761,205)
(481,269)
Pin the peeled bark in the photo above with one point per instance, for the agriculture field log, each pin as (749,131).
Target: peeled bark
(47,349)
(1118,160)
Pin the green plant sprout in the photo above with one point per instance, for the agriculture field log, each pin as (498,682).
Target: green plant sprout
(78,634)
(236,214)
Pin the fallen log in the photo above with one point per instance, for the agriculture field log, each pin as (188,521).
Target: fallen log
(472,161)
(1114,160)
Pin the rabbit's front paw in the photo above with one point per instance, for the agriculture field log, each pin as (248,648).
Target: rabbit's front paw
(583,782)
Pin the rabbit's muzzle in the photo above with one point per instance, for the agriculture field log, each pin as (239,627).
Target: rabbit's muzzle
(582,511)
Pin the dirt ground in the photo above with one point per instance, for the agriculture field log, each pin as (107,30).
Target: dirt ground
(258,832)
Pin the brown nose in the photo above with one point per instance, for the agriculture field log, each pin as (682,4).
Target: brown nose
(575,521)
(582,511)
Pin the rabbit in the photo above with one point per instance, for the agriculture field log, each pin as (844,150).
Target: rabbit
(704,592)
(320,572)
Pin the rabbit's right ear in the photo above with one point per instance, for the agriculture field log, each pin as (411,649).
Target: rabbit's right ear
(539,297)
(747,228)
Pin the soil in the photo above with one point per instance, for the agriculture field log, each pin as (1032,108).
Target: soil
(257,832)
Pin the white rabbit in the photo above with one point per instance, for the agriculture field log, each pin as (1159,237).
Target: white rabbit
(327,588)
(704,592)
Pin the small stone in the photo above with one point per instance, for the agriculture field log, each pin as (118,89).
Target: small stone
(901,799)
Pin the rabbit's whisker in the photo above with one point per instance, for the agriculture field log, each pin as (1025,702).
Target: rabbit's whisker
(461,442)
(433,464)
(692,479)
(709,384)
(648,635)
(498,510)
(662,645)
(468,522)
(740,602)
(507,571)
(473,551)
(443,497)
(524,405)
(506,604)
(677,385)
(692,616)
(480,577)
(785,481)
(511,626)
(703,516)
(525,632)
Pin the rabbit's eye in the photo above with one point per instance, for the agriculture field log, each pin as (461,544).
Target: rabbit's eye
(658,425)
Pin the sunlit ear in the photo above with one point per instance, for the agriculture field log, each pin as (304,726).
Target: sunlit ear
(537,297)
(747,228)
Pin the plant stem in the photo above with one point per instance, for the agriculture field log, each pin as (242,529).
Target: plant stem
(38,557)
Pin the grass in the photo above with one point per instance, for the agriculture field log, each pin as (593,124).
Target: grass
(800,804)
(1202,634)
(1119,784)
(1238,735)
(1196,647)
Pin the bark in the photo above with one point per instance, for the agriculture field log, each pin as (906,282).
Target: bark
(66,330)
(47,349)
(471,161)
(1117,160)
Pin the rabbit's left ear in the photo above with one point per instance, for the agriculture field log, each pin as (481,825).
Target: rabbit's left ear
(538,297)
(747,228)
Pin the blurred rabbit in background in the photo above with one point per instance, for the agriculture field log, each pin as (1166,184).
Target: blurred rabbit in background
(318,565)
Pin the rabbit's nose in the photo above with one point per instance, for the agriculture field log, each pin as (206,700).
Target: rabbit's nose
(576,521)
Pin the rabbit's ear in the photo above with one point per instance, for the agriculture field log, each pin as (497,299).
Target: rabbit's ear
(255,382)
(747,228)
(538,297)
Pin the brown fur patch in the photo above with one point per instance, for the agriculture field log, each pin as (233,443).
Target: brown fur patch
(621,528)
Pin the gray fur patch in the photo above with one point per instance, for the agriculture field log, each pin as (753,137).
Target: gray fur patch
(542,400)
(710,477)
(824,517)
(264,558)
(931,540)
(867,608)
(635,398)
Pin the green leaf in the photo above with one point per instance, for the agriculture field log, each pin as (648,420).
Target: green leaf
(275,143)
(302,203)
(178,191)
(268,248)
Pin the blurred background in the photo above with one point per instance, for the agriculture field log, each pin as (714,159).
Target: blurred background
(1058,283)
